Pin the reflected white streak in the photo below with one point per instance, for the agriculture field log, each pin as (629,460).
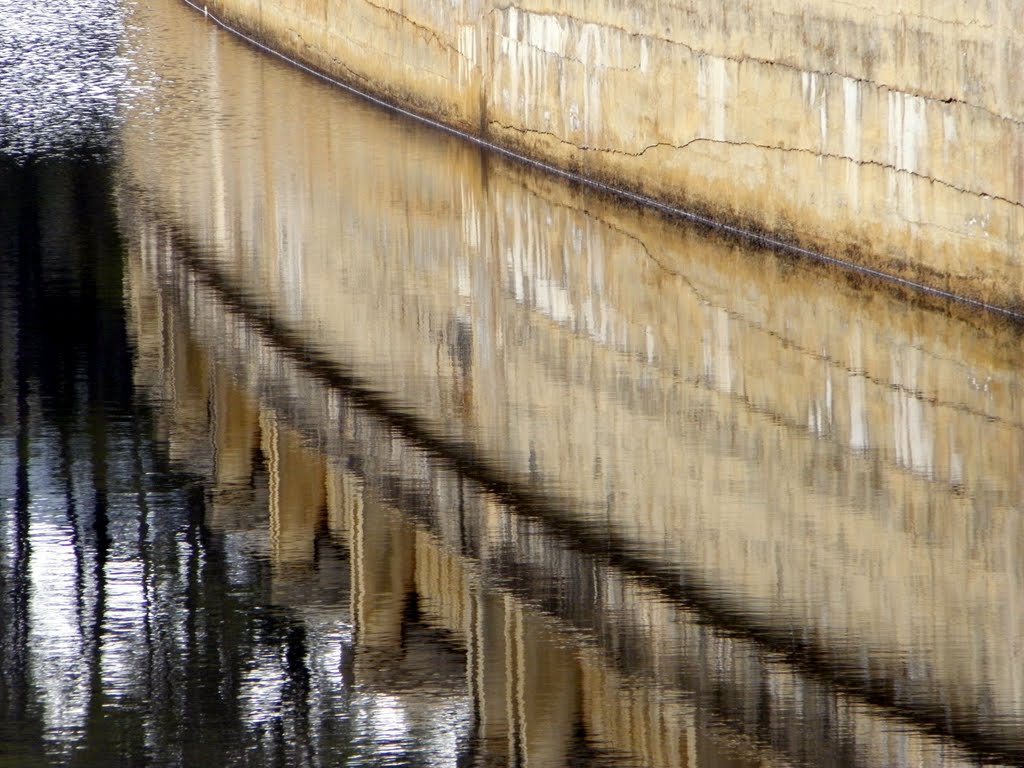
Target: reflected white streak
(56,645)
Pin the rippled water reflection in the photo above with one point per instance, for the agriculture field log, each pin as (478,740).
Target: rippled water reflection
(325,438)
(64,75)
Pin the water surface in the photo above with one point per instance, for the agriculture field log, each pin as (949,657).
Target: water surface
(328,439)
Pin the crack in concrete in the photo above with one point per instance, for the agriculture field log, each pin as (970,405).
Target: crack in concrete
(844,158)
(922,16)
(764,147)
(426,31)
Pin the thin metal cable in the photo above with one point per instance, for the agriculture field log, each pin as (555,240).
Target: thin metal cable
(648,202)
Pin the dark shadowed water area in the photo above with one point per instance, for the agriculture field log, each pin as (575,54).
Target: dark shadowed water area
(329,439)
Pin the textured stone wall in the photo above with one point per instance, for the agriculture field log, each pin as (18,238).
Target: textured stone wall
(869,130)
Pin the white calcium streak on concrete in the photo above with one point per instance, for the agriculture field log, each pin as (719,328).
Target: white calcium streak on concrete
(712,93)
(852,139)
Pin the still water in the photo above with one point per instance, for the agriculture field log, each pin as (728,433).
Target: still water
(328,439)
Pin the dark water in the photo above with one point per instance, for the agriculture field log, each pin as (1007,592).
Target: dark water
(326,439)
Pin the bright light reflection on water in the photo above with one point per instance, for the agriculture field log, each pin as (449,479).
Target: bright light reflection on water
(64,75)
(56,638)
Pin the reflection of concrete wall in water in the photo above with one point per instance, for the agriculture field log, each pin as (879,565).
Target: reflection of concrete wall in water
(880,130)
(526,683)
(533,687)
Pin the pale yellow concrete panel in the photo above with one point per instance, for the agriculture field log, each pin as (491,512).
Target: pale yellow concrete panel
(828,125)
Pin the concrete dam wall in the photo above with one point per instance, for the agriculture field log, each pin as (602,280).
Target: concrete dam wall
(874,131)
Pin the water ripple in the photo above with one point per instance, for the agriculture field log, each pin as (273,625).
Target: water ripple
(63,75)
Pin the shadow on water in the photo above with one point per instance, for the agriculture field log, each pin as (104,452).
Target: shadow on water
(66,371)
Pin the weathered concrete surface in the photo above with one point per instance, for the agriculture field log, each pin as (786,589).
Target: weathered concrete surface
(872,130)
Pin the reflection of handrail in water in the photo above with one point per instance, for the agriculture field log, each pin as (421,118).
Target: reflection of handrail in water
(762,240)
(684,585)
